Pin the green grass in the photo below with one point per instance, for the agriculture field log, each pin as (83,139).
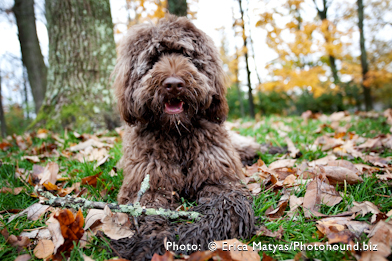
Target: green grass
(295,230)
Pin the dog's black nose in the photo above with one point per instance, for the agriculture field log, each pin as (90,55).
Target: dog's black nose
(173,84)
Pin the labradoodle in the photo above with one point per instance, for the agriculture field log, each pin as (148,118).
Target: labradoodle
(171,89)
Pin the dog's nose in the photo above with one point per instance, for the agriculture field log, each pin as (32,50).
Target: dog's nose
(173,84)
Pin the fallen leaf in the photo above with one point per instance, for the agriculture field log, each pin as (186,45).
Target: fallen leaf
(86,144)
(285,163)
(365,207)
(254,188)
(50,173)
(18,241)
(44,249)
(71,229)
(37,234)
(91,180)
(55,230)
(116,225)
(14,191)
(34,159)
(337,175)
(24,257)
(294,152)
(264,231)
(289,180)
(168,256)
(322,161)
(377,161)
(5,145)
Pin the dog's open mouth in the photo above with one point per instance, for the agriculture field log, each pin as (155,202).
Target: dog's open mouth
(174,107)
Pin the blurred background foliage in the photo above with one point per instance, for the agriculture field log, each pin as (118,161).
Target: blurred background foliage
(329,55)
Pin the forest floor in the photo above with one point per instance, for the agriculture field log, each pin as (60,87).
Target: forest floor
(330,187)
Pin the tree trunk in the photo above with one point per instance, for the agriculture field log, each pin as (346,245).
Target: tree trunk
(332,60)
(31,51)
(81,57)
(2,116)
(250,95)
(364,62)
(177,7)
(237,84)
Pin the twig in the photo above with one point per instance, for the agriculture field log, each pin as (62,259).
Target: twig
(143,188)
(131,209)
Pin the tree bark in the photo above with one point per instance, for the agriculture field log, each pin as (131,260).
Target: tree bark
(332,60)
(250,95)
(177,7)
(81,57)
(31,51)
(364,62)
(2,116)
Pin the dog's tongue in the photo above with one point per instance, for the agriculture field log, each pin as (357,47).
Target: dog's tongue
(174,108)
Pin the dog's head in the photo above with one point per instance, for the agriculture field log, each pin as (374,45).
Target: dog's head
(169,75)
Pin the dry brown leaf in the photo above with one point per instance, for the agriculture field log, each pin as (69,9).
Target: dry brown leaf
(55,230)
(24,257)
(168,256)
(381,236)
(49,174)
(295,202)
(289,180)
(377,161)
(264,231)
(345,237)
(36,210)
(5,145)
(91,180)
(386,176)
(364,208)
(371,144)
(18,241)
(39,233)
(33,159)
(294,152)
(282,204)
(88,143)
(285,163)
(329,195)
(337,116)
(44,249)
(337,175)
(94,216)
(116,225)
(344,164)
(322,161)
(14,191)
(254,188)
(328,226)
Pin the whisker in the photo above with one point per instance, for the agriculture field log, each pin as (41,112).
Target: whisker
(184,126)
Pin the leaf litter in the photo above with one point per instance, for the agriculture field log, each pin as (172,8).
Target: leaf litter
(321,180)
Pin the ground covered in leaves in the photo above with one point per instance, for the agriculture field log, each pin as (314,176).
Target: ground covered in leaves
(329,192)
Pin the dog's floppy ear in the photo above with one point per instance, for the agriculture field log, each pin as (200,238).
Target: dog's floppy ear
(218,110)
(135,58)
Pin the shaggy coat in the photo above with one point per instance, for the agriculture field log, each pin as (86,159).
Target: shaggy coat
(171,91)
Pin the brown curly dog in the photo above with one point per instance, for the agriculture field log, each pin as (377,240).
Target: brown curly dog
(171,89)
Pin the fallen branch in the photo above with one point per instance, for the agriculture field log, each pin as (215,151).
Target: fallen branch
(134,210)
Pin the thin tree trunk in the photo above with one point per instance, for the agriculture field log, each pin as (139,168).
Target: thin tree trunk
(364,62)
(250,95)
(332,60)
(31,51)
(237,84)
(2,116)
(26,101)
(177,7)
(81,57)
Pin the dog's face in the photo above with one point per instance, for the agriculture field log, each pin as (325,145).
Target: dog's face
(169,76)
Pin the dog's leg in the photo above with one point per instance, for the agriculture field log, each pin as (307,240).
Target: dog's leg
(227,213)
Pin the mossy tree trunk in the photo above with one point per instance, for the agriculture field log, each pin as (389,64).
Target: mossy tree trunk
(177,7)
(31,51)
(81,56)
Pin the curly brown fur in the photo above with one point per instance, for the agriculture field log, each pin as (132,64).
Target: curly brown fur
(171,93)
